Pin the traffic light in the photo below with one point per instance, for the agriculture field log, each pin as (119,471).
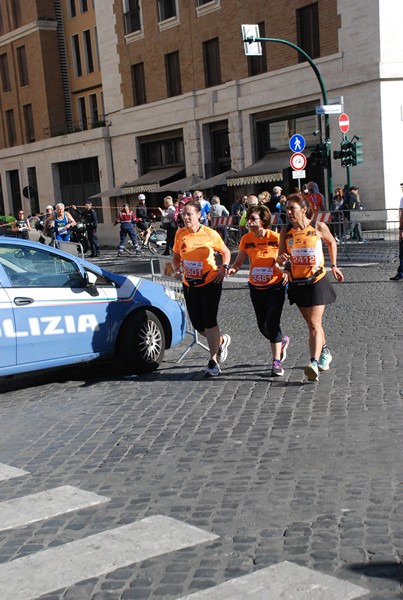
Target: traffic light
(319,156)
(356,153)
(346,153)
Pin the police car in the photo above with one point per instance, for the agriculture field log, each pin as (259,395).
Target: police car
(57,309)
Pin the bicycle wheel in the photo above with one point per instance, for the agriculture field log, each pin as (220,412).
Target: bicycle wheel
(129,248)
(157,241)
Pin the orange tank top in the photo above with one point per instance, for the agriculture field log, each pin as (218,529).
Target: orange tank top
(306,251)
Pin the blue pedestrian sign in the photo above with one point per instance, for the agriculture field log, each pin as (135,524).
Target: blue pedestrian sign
(297,143)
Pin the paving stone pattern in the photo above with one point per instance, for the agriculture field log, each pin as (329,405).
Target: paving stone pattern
(279,469)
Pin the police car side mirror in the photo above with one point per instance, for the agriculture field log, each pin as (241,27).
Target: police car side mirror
(91,283)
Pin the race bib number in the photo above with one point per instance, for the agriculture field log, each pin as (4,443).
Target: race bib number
(303,256)
(193,268)
(262,274)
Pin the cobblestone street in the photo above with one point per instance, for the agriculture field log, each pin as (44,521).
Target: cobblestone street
(269,470)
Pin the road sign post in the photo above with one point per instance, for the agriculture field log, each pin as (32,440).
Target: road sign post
(250,39)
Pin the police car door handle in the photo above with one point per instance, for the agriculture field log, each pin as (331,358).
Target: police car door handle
(22,301)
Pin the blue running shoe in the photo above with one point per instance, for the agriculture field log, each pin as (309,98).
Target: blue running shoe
(324,360)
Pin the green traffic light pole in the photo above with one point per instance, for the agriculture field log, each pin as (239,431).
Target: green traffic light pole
(324,94)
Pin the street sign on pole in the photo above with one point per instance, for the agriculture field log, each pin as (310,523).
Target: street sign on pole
(328,109)
(344,123)
(297,143)
(298,161)
(251,48)
(299,175)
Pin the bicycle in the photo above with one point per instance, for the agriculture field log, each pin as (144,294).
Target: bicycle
(156,242)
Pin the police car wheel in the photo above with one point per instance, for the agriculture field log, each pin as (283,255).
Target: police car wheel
(142,342)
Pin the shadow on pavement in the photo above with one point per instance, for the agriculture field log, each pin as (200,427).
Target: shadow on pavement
(384,570)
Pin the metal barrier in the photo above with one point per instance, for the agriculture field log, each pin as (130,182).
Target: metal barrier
(381,226)
(164,276)
(74,248)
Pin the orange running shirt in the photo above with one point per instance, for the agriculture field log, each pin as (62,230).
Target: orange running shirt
(197,253)
(306,251)
(262,254)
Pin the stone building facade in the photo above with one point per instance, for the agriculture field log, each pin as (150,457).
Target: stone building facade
(179,97)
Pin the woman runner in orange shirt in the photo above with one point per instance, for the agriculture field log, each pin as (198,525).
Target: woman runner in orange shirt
(266,280)
(309,288)
(193,260)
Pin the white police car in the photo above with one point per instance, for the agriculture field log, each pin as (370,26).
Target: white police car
(57,309)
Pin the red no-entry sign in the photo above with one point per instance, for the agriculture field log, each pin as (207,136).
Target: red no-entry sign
(344,123)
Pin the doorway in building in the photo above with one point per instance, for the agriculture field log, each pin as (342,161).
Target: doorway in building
(79,179)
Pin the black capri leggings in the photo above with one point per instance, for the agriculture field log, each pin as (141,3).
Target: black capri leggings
(268,304)
(202,305)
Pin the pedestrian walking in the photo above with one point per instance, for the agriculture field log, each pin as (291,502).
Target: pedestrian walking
(266,281)
(399,274)
(168,223)
(127,218)
(91,221)
(193,261)
(309,288)
(142,220)
(218,210)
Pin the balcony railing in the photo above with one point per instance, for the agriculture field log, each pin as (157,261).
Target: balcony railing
(75,126)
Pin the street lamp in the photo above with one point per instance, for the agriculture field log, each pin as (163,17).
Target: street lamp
(250,34)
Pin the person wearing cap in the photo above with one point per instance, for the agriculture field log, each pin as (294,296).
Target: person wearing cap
(142,219)
(91,220)
(126,218)
(47,223)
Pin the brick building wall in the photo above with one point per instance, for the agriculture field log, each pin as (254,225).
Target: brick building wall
(36,32)
(188,36)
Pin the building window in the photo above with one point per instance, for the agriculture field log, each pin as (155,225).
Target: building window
(12,136)
(308,31)
(94,109)
(173,74)
(1,30)
(162,153)
(132,16)
(258,64)
(82,111)
(16,12)
(22,66)
(77,56)
(29,123)
(203,2)
(72,9)
(138,84)
(5,73)
(211,54)
(89,59)
(166,10)
(84,6)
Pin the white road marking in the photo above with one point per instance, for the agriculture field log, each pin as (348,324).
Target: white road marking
(32,576)
(43,505)
(285,580)
(7,472)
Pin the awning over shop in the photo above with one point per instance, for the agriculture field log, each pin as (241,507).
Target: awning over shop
(152,180)
(111,193)
(268,169)
(220,179)
(181,184)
